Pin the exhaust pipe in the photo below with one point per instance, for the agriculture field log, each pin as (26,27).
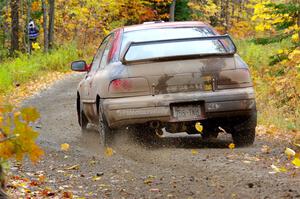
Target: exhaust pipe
(159,132)
(155,124)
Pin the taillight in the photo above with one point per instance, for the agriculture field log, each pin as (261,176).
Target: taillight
(120,85)
(234,78)
(128,85)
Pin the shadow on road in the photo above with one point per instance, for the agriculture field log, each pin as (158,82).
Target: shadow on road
(91,141)
(188,141)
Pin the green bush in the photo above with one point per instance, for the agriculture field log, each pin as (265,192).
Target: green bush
(258,56)
(271,109)
(25,68)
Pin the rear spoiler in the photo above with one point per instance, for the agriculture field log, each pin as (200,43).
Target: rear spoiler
(168,58)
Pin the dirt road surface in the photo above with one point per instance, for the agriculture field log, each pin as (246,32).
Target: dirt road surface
(180,166)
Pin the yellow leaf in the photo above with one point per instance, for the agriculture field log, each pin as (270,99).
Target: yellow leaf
(199,127)
(231,146)
(65,147)
(17,114)
(35,6)
(194,152)
(295,37)
(30,114)
(277,169)
(96,178)
(36,153)
(280,51)
(109,151)
(74,167)
(36,46)
(290,152)
(296,162)
(265,149)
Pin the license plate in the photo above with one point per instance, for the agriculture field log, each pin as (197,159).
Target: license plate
(187,112)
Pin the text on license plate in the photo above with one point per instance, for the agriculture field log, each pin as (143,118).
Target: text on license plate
(187,112)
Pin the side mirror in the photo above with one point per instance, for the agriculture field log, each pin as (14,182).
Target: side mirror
(79,66)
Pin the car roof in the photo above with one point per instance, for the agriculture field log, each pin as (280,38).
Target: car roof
(164,25)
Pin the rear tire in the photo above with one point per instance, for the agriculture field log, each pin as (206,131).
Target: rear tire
(106,133)
(244,132)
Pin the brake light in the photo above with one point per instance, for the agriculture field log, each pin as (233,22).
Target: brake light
(234,78)
(128,85)
(120,84)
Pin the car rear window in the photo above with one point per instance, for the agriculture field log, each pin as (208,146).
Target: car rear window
(157,44)
(164,33)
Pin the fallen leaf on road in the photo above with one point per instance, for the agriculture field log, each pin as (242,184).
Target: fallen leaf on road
(277,169)
(246,162)
(109,151)
(149,180)
(65,147)
(154,190)
(266,149)
(194,152)
(74,167)
(96,178)
(231,146)
(289,152)
(42,178)
(271,130)
(296,162)
(67,195)
(296,144)
(296,141)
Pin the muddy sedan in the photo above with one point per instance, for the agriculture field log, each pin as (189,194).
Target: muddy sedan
(167,75)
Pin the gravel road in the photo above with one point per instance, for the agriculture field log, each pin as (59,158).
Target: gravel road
(180,166)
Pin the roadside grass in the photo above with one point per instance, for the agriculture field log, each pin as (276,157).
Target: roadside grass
(271,110)
(15,72)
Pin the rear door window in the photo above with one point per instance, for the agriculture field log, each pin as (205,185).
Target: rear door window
(104,60)
(97,59)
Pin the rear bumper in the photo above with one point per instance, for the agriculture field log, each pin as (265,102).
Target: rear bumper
(142,109)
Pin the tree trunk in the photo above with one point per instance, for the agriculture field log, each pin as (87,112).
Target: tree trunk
(172,11)
(51,23)
(46,43)
(14,5)
(227,15)
(239,10)
(28,18)
(6,25)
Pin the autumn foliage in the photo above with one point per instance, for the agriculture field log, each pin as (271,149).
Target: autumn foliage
(17,136)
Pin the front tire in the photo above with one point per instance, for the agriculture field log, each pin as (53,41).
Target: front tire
(83,121)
